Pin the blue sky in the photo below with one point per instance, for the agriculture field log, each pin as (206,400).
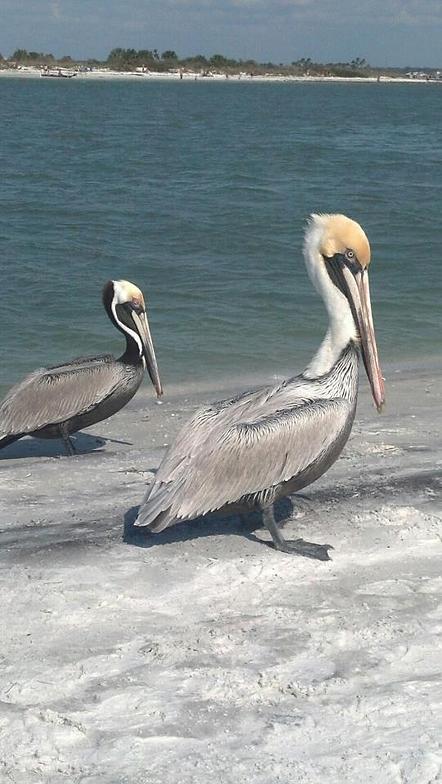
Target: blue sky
(385,32)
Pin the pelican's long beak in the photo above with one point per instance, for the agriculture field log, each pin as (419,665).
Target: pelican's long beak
(142,327)
(358,292)
(368,342)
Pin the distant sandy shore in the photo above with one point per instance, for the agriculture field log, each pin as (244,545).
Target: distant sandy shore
(202,654)
(30,72)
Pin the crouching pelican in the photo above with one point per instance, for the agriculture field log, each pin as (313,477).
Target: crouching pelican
(56,401)
(248,451)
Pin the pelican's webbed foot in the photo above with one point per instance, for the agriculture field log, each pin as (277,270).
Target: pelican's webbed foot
(307,549)
(298,546)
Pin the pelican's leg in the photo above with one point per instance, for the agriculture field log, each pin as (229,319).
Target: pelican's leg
(70,449)
(297,547)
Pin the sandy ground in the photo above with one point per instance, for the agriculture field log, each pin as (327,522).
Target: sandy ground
(202,654)
(152,76)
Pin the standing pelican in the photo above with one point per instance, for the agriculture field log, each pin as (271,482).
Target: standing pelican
(250,450)
(56,401)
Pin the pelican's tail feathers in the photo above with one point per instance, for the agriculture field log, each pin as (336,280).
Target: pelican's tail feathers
(155,510)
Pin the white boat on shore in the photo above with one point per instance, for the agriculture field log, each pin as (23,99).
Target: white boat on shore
(58,73)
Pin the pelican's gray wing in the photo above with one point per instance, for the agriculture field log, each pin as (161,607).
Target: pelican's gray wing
(53,395)
(224,464)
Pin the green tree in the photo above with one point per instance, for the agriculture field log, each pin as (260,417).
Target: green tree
(169,54)
(218,60)
(128,59)
(198,59)
(20,55)
(359,62)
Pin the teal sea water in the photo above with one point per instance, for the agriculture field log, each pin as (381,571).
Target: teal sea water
(198,192)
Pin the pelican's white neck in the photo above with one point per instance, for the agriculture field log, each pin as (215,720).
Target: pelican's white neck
(341,328)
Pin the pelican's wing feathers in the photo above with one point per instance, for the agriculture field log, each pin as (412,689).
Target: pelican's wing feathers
(53,395)
(240,448)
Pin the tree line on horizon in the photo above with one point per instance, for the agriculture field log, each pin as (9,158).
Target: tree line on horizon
(120,59)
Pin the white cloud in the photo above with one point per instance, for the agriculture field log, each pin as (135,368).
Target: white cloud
(55,9)
(382,31)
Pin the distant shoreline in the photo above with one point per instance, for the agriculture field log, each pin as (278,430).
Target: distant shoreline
(221,384)
(152,76)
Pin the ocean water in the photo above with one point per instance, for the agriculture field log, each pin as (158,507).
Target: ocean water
(198,192)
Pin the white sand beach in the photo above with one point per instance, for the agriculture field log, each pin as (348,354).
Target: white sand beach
(34,72)
(202,654)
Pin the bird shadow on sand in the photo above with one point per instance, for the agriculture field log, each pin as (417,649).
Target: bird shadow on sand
(84,443)
(416,483)
(209,525)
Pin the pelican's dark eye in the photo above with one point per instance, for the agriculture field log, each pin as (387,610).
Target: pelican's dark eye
(136,305)
(349,254)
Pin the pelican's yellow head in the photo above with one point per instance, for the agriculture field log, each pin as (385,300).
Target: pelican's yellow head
(343,236)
